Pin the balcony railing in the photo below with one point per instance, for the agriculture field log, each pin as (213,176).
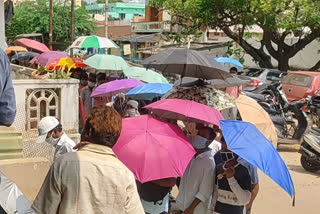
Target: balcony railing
(150,27)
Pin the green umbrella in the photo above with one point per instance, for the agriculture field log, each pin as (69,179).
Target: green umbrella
(145,75)
(106,62)
(93,42)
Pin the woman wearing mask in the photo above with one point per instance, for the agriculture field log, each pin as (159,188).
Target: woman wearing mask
(131,109)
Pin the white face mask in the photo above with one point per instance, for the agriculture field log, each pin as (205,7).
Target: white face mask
(199,142)
(52,141)
(91,84)
(131,112)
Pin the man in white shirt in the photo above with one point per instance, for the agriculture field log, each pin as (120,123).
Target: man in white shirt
(50,131)
(197,183)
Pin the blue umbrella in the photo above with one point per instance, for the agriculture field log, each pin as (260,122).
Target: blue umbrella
(248,142)
(229,60)
(149,91)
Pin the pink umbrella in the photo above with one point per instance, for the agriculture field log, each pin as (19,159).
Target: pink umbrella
(33,44)
(44,58)
(153,149)
(185,110)
(116,86)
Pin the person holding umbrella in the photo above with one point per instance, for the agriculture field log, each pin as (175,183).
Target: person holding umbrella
(233,183)
(196,186)
(131,109)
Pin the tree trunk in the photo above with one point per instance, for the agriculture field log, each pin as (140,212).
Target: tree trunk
(283,63)
(263,59)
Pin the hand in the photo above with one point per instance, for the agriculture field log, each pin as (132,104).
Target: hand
(189,210)
(81,144)
(229,173)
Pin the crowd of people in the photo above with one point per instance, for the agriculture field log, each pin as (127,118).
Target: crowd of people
(89,178)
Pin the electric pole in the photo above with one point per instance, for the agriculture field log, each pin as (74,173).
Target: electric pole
(50,23)
(72,26)
(106,19)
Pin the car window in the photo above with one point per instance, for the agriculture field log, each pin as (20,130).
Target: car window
(275,75)
(298,80)
(254,72)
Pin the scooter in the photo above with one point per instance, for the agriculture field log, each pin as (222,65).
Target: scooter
(314,108)
(310,151)
(286,130)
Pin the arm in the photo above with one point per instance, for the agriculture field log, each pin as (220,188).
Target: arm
(49,196)
(167,182)
(7,95)
(254,193)
(192,207)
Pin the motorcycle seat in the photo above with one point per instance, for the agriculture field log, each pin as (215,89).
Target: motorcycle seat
(278,120)
(255,96)
(313,141)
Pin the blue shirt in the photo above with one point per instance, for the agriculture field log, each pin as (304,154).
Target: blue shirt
(7,96)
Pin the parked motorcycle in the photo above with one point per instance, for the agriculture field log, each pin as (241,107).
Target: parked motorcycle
(310,151)
(314,108)
(287,131)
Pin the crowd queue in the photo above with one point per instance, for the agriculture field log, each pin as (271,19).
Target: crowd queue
(93,180)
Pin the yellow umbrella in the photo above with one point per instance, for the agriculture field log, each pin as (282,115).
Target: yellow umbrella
(252,112)
(11,49)
(66,62)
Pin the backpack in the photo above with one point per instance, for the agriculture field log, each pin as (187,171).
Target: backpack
(151,192)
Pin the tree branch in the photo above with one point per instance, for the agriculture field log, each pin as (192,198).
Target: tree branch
(315,67)
(294,49)
(267,41)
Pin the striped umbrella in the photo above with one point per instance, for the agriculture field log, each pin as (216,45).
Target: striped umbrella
(93,42)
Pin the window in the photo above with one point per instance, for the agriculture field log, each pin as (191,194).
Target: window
(275,75)
(122,16)
(298,80)
(253,72)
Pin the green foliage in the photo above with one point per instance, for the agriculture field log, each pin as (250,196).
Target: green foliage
(277,18)
(54,73)
(33,17)
(237,53)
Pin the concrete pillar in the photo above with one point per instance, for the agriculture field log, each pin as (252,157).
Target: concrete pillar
(2,27)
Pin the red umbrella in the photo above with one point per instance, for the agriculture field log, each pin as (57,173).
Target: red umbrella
(185,110)
(35,45)
(66,61)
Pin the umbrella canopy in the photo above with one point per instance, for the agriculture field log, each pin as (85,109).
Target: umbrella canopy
(106,62)
(11,49)
(33,44)
(248,142)
(229,60)
(216,83)
(149,91)
(145,75)
(187,63)
(153,149)
(66,62)
(44,58)
(185,110)
(114,87)
(252,112)
(206,95)
(93,42)
(20,56)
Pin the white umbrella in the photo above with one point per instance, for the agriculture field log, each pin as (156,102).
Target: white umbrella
(93,42)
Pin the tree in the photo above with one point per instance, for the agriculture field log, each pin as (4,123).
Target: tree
(279,19)
(33,17)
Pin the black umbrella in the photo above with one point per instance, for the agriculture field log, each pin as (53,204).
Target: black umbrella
(217,83)
(187,63)
(21,56)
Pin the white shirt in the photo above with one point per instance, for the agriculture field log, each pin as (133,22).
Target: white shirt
(197,182)
(215,147)
(64,145)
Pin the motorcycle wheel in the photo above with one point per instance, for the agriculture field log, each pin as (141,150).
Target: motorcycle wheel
(309,166)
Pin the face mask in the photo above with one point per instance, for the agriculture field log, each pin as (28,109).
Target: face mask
(199,142)
(131,112)
(91,84)
(227,156)
(83,82)
(52,141)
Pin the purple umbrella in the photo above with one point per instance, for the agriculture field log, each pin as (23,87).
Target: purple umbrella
(116,86)
(44,58)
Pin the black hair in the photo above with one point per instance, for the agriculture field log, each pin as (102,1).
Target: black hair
(233,69)
(83,76)
(222,140)
(58,128)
